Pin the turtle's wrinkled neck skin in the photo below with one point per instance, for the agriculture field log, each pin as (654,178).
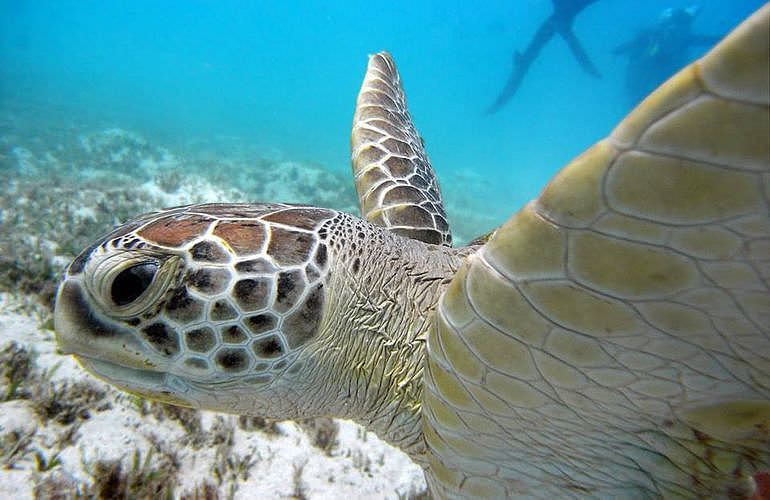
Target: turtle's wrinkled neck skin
(367,362)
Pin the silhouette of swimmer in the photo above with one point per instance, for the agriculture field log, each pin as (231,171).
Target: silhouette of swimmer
(657,52)
(560,21)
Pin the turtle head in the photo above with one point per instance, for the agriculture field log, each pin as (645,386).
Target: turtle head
(206,306)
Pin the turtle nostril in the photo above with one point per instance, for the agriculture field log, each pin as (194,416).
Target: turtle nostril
(131,283)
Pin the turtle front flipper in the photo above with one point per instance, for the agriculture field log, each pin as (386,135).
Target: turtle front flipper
(612,339)
(396,185)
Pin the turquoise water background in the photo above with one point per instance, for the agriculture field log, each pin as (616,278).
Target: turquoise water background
(285,75)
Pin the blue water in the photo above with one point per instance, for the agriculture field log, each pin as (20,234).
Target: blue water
(285,74)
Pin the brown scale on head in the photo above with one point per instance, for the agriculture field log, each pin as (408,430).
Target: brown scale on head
(211,291)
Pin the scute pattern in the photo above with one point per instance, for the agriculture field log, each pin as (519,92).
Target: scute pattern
(250,290)
(396,185)
(613,338)
(174,231)
(680,191)
(209,251)
(209,281)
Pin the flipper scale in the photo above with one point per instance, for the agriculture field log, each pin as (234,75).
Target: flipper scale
(628,309)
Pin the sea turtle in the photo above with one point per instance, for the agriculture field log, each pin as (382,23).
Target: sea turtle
(611,339)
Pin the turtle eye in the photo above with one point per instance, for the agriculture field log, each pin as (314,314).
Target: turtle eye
(131,283)
(125,283)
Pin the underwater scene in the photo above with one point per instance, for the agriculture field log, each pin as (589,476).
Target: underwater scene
(111,109)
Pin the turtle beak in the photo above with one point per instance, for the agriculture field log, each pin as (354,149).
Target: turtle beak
(110,351)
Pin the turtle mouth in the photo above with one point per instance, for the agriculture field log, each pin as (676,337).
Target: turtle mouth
(152,384)
(116,373)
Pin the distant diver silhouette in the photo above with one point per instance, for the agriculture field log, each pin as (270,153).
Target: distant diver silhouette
(560,21)
(657,52)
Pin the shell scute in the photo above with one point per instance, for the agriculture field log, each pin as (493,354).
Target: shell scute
(680,191)
(304,322)
(244,238)
(629,270)
(290,247)
(175,230)
(301,217)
